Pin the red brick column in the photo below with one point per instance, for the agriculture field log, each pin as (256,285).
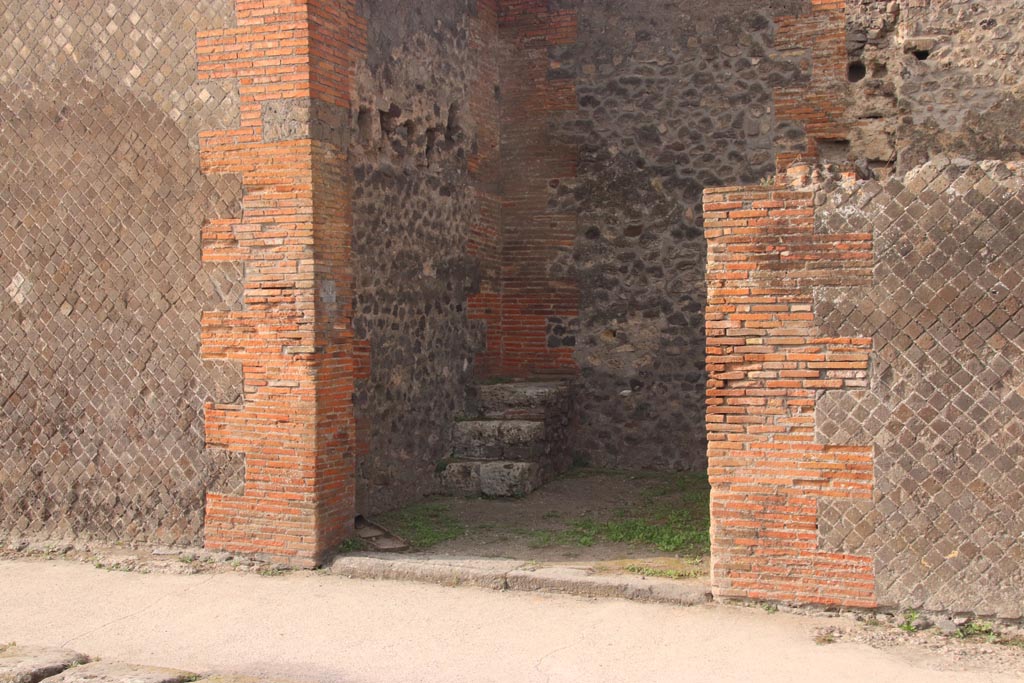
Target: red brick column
(534,236)
(767,364)
(485,171)
(295,424)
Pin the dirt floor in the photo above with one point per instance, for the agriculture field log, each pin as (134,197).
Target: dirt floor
(645,523)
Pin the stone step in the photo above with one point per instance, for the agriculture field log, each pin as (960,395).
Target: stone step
(516,400)
(496,479)
(499,440)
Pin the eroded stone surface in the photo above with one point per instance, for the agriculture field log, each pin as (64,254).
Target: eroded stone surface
(500,439)
(20,664)
(492,478)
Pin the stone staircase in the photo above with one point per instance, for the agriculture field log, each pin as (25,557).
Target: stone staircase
(512,440)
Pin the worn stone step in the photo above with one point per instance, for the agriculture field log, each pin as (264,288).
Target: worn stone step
(497,479)
(499,440)
(20,664)
(517,400)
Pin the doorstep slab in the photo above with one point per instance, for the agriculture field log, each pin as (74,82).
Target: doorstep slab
(587,583)
(482,573)
(517,575)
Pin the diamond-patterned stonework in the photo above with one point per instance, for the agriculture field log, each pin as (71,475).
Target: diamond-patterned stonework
(945,406)
(101,280)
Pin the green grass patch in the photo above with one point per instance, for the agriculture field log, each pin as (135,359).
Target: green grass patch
(673,516)
(977,629)
(424,525)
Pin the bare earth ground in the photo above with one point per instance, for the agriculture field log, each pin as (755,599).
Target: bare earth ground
(312,627)
(643,523)
(199,610)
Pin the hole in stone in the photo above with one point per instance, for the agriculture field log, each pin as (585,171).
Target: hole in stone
(454,124)
(408,130)
(389,119)
(634,230)
(833,151)
(431,141)
(364,124)
(856,72)
(921,55)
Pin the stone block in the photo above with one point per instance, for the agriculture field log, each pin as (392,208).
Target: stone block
(499,440)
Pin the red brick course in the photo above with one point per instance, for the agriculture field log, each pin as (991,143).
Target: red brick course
(295,425)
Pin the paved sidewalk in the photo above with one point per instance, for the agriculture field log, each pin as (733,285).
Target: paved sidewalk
(323,628)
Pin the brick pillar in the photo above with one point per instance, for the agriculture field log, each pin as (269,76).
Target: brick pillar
(292,60)
(768,362)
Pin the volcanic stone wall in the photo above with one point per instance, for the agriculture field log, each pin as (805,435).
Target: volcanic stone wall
(101,281)
(929,77)
(424,155)
(673,96)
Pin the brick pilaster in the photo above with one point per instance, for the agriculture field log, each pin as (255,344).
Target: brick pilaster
(535,237)
(295,424)
(767,362)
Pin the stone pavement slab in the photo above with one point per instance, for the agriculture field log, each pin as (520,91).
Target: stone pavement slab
(114,672)
(20,664)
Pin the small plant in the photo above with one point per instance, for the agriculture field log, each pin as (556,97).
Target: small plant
(909,623)
(272,570)
(825,638)
(771,608)
(978,629)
